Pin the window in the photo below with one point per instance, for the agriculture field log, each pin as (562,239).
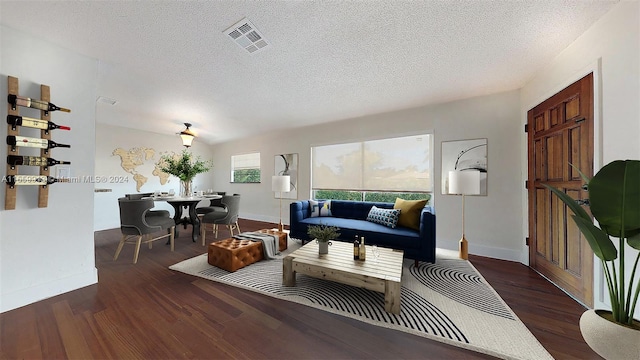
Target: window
(245,168)
(376,170)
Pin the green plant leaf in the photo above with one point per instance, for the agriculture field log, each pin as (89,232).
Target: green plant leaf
(634,241)
(323,232)
(598,240)
(582,175)
(570,202)
(182,165)
(614,197)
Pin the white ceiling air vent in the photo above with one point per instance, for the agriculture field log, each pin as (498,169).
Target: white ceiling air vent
(245,34)
(106,100)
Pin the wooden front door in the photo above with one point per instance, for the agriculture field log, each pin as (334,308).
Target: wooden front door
(560,133)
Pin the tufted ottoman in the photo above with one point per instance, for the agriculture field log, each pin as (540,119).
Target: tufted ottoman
(233,254)
(282,237)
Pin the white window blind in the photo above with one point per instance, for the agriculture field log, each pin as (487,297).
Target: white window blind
(245,168)
(394,164)
(245,161)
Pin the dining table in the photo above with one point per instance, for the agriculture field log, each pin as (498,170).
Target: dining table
(181,203)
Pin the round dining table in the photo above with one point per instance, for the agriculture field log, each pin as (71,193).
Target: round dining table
(189,203)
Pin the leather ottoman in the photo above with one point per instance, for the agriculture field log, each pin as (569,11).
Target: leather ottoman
(282,237)
(233,254)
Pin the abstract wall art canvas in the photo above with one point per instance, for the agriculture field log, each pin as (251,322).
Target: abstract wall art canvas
(464,155)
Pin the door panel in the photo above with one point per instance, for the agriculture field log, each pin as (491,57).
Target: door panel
(555,155)
(541,223)
(560,134)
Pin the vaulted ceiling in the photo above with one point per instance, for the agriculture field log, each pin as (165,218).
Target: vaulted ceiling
(170,62)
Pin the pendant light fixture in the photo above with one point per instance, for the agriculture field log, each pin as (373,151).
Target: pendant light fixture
(187,136)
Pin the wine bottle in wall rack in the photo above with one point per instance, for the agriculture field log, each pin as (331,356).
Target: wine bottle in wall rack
(17,120)
(14,180)
(34,161)
(33,103)
(23,141)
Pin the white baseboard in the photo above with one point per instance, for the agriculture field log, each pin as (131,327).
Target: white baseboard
(486,251)
(33,294)
(265,218)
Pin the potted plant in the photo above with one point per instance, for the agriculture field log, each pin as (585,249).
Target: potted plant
(614,200)
(185,167)
(323,234)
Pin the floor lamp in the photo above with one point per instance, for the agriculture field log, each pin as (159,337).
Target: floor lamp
(464,183)
(280,184)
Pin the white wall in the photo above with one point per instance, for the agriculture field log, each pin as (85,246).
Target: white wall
(610,48)
(48,251)
(493,222)
(108,167)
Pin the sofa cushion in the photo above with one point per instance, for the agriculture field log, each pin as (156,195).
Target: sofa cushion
(386,217)
(320,208)
(410,212)
(398,238)
(355,209)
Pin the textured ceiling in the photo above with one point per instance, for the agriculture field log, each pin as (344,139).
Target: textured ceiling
(169,62)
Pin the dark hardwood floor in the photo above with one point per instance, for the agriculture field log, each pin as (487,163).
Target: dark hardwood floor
(148,311)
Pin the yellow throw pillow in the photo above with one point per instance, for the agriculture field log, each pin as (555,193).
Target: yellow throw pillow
(410,212)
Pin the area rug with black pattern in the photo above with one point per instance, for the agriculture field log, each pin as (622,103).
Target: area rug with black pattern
(448,301)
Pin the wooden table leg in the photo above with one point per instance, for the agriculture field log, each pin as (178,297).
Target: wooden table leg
(288,275)
(392,297)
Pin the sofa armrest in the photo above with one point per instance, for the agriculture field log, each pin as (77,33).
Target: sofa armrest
(428,222)
(428,231)
(298,211)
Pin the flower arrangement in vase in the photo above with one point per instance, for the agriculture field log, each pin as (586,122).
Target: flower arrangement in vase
(185,167)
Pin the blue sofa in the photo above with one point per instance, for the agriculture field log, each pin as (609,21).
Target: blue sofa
(350,217)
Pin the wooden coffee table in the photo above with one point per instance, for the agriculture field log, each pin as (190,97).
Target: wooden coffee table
(383,275)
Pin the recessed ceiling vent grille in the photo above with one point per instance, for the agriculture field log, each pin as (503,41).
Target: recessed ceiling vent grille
(106,100)
(245,34)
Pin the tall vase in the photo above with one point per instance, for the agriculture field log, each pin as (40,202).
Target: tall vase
(185,188)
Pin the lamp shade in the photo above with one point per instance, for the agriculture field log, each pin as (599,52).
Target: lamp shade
(464,182)
(281,183)
(187,135)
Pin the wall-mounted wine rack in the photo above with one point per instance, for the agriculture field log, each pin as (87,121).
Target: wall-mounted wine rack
(12,170)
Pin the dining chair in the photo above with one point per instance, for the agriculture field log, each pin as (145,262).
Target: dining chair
(137,225)
(214,205)
(145,195)
(228,218)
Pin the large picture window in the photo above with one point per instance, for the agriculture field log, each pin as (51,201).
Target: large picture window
(375,169)
(245,168)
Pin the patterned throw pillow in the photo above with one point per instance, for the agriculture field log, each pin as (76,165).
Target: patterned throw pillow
(386,217)
(320,208)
